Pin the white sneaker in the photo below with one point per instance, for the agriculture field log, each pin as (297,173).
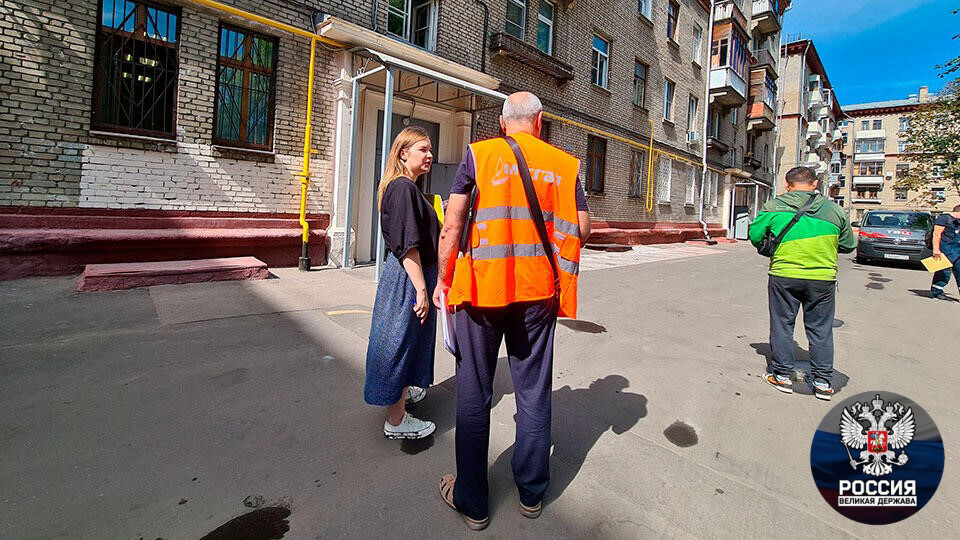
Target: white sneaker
(409,428)
(415,394)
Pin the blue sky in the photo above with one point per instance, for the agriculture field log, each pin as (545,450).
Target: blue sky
(876,50)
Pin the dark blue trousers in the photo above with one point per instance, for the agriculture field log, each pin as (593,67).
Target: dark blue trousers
(528,329)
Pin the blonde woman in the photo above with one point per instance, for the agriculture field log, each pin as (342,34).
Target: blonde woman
(403,333)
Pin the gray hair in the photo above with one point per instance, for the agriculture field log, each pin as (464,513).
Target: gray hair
(521,107)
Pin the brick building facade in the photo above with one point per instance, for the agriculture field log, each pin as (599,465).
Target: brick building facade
(217,147)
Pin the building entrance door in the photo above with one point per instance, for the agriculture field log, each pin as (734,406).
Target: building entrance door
(399,122)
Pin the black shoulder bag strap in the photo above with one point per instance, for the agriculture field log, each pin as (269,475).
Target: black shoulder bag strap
(535,213)
(796,218)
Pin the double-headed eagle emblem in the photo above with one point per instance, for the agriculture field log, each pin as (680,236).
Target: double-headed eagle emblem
(880,430)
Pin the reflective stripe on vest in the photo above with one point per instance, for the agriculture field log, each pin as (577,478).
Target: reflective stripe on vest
(486,253)
(523,212)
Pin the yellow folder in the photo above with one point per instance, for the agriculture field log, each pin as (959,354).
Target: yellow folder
(934,265)
(438,206)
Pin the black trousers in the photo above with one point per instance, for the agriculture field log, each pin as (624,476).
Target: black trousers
(528,328)
(818,299)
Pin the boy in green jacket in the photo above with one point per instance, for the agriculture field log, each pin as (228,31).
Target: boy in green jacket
(803,272)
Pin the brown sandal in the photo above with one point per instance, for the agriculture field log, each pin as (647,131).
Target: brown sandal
(446,493)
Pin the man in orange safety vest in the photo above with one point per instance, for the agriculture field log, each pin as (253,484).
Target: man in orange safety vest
(509,280)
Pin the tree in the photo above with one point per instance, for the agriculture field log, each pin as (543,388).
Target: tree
(933,139)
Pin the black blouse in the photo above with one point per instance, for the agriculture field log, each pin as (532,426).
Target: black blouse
(409,221)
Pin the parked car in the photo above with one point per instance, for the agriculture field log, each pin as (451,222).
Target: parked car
(895,235)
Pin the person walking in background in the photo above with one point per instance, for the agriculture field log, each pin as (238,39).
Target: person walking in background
(510,283)
(400,352)
(803,273)
(946,243)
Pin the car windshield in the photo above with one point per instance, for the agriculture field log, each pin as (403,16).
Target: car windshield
(898,220)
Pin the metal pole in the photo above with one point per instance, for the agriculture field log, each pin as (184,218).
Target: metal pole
(351,169)
(385,146)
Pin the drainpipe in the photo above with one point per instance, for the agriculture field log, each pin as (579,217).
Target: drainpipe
(706,116)
(373,15)
(486,26)
(776,138)
(803,104)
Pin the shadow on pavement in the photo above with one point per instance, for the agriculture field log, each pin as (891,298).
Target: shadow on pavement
(925,293)
(262,524)
(801,369)
(580,417)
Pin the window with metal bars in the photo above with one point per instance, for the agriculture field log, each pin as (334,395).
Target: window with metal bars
(638,175)
(135,75)
(246,81)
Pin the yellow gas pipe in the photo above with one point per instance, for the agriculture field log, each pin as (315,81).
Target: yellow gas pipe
(304,263)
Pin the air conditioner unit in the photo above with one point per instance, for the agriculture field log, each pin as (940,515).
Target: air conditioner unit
(693,137)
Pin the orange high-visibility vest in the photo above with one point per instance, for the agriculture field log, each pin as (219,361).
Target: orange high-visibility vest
(505,262)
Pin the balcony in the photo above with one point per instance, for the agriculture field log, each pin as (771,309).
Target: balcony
(507,45)
(856,199)
(760,117)
(823,141)
(714,143)
(836,135)
(813,130)
(869,156)
(766,59)
(814,162)
(727,87)
(766,15)
(729,11)
(876,181)
(871,134)
(749,160)
(815,100)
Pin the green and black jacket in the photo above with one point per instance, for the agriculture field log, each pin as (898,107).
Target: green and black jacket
(809,250)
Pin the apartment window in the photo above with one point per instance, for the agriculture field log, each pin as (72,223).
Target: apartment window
(899,194)
(901,147)
(713,126)
(516,17)
(669,88)
(638,175)
(878,124)
(545,26)
(870,168)
(865,125)
(414,21)
(135,73)
(664,179)
(835,168)
(692,104)
(903,170)
(846,138)
(691,191)
(673,13)
(734,116)
(936,171)
(697,43)
(639,84)
(601,61)
(645,8)
(904,123)
(870,146)
(246,75)
(939,194)
(770,93)
(596,159)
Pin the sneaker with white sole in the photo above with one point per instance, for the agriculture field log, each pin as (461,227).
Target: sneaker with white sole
(415,394)
(783,384)
(409,428)
(823,390)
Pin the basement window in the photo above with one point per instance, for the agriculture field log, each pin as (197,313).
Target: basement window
(135,73)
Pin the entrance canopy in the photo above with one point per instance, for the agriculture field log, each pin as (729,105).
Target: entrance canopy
(408,73)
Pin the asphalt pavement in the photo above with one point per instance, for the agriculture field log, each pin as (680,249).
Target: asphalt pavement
(198,411)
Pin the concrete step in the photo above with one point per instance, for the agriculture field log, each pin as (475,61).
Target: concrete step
(112,277)
(656,235)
